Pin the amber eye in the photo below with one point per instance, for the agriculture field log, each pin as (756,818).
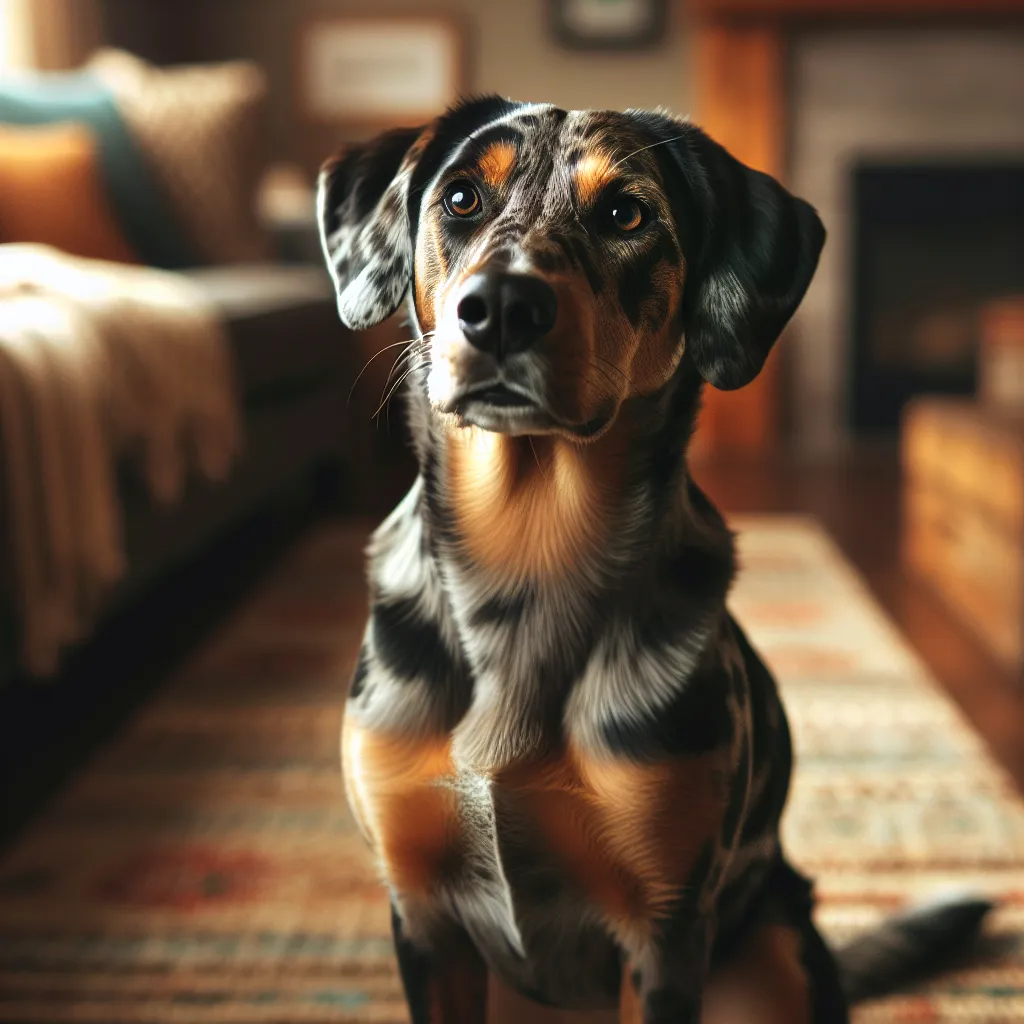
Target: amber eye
(628,214)
(461,199)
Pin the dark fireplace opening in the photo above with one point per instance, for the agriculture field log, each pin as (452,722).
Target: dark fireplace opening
(932,244)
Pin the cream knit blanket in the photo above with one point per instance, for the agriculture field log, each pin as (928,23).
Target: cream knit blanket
(98,362)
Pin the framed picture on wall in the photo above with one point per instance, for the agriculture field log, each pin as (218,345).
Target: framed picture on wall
(609,24)
(379,72)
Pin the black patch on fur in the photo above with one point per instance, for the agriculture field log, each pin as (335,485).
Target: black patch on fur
(690,584)
(416,971)
(359,676)
(452,129)
(700,873)
(579,250)
(665,465)
(695,721)
(357,181)
(751,250)
(702,571)
(502,609)
(420,969)
(682,932)
(737,797)
(671,1006)
(440,515)
(772,752)
(409,646)
(636,281)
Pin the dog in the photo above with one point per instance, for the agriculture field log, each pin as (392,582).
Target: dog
(568,759)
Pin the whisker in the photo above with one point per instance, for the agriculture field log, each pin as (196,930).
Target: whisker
(611,366)
(398,383)
(615,385)
(402,356)
(366,365)
(416,347)
(608,379)
(653,145)
(422,353)
(381,351)
(536,457)
(387,398)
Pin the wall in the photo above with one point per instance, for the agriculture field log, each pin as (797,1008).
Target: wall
(159,30)
(510,51)
(888,94)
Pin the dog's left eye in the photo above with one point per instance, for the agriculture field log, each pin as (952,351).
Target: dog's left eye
(461,199)
(629,214)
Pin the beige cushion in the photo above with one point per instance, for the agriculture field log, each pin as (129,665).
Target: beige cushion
(203,131)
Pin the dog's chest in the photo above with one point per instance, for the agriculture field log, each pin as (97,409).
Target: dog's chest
(569,843)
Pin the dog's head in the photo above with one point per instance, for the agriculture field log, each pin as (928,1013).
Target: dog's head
(562,262)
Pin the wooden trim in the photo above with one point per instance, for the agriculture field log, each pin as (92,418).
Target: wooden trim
(741,104)
(740,48)
(740,92)
(850,9)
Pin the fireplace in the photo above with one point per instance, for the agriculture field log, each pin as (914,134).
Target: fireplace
(916,172)
(932,242)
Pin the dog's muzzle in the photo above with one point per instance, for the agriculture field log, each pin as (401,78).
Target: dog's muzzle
(503,314)
(496,383)
(493,374)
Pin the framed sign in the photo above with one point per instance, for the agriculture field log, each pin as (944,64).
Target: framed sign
(379,72)
(609,24)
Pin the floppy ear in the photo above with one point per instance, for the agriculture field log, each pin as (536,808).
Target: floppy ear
(753,251)
(362,208)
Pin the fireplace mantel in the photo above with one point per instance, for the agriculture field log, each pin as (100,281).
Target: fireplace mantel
(741,59)
(875,10)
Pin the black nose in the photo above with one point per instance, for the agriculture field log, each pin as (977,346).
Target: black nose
(505,313)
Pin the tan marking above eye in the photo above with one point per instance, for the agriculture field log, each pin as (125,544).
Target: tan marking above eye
(592,173)
(496,163)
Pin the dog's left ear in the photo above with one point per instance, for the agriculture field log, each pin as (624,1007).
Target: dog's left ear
(362,208)
(753,249)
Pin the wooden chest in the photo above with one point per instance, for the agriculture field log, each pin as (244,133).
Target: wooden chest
(963,510)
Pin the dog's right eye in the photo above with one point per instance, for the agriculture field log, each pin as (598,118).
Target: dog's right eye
(461,199)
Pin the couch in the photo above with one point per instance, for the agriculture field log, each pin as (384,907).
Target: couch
(293,376)
(293,370)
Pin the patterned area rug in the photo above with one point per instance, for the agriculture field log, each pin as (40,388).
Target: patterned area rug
(203,867)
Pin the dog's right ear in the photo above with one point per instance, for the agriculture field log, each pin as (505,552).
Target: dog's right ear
(362,209)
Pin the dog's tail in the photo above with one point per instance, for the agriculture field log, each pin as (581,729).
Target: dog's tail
(909,945)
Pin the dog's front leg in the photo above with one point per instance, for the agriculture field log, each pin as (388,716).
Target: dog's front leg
(446,986)
(665,984)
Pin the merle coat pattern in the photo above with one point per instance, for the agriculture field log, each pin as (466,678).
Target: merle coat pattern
(566,756)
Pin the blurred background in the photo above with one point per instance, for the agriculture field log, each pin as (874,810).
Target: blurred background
(179,412)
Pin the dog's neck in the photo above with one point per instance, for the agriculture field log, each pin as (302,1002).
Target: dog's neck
(528,555)
(532,512)
(533,509)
